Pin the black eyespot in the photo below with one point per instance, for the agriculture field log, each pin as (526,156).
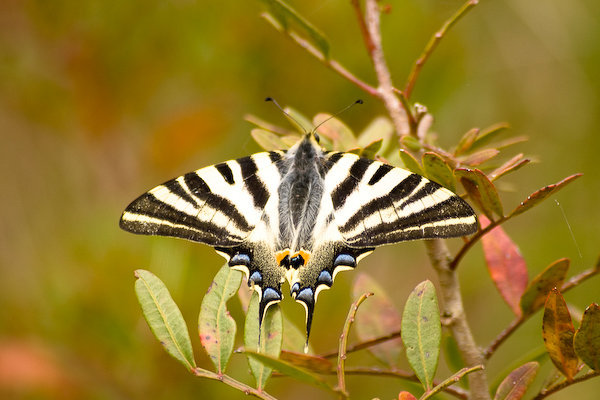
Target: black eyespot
(240,259)
(256,277)
(285,262)
(344,259)
(325,278)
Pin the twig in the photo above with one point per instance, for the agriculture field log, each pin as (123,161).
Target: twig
(363,26)
(472,240)
(433,43)
(453,306)
(450,381)
(547,392)
(577,279)
(386,88)
(401,374)
(365,344)
(248,390)
(344,341)
(329,62)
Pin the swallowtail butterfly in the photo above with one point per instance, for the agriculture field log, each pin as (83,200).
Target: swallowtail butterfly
(300,215)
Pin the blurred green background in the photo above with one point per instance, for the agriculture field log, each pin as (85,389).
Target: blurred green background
(102,100)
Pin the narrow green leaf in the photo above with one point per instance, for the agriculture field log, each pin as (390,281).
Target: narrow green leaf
(489,134)
(290,370)
(558,331)
(379,128)
(466,141)
(371,149)
(481,190)
(410,142)
(338,132)
(505,264)
(215,326)
(378,317)
(587,337)
(270,338)
(410,162)
(514,386)
(286,16)
(540,195)
(422,332)
(438,170)
(537,291)
(268,140)
(164,317)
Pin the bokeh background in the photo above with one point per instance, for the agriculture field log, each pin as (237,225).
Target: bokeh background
(102,100)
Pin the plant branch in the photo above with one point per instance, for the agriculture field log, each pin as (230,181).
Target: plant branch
(329,62)
(248,390)
(365,344)
(457,322)
(363,26)
(386,88)
(450,381)
(344,341)
(402,374)
(433,43)
(553,389)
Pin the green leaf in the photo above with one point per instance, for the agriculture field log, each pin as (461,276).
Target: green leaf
(303,123)
(510,166)
(285,16)
(437,170)
(514,386)
(466,141)
(481,190)
(410,162)
(270,338)
(489,134)
(558,331)
(537,291)
(335,130)
(587,337)
(371,150)
(422,332)
(379,317)
(290,370)
(164,318)
(379,128)
(540,195)
(215,326)
(268,140)
(505,264)
(410,142)
(294,338)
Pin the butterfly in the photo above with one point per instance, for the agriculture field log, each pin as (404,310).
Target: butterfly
(301,215)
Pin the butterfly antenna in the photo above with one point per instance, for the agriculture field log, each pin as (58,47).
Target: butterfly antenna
(287,114)
(359,101)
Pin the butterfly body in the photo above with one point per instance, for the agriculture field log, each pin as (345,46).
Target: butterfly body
(301,215)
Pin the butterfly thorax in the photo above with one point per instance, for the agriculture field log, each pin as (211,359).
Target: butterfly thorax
(300,194)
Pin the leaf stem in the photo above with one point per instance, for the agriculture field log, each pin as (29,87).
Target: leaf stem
(433,43)
(344,341)
(248,390)
(553,389)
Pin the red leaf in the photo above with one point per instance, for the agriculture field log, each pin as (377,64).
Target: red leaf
(406,396)
(514,386)
(505,264)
